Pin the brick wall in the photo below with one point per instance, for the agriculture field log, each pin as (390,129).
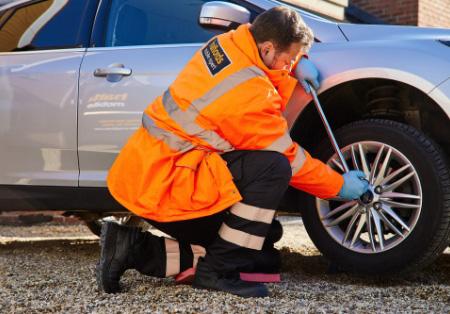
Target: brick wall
(334,9)
(392,12)
(434,13)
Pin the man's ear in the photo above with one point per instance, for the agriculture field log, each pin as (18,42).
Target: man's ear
(266,47)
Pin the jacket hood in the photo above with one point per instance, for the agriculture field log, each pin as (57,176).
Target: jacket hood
(243,39)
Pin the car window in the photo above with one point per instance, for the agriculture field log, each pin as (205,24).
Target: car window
(150,22)
(48,24)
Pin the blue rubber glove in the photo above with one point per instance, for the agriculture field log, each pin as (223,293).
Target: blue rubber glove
(306,71)
(355,185)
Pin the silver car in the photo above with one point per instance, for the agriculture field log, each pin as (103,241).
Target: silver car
(76,75)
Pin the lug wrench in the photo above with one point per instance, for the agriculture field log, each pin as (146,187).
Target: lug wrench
(367,196)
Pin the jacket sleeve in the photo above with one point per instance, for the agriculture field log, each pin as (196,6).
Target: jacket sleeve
(255,122)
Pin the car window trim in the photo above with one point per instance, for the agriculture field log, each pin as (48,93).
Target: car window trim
(79,49)
(152,46)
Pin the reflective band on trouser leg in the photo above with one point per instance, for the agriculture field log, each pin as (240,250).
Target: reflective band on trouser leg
(253,213)
(172,257)
(251,218)
(241,238)
(197,251)
(298,161)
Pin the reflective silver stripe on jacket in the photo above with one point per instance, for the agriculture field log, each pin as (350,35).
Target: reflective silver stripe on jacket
(298,161)
(226,85)
(241,238)
(281,144)
(187,118)
(172,140)
(253,213)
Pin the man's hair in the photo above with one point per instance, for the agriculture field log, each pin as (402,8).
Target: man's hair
(283,27)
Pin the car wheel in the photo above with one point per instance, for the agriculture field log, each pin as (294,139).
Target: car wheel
(406,223)
(95,226)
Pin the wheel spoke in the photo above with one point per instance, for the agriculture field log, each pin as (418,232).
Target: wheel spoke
(399,205)
(375,164)
(337,199)
(394,216)
(382,171)
(361,222)
(338,164)
(378,227)
(399,195)
(370,231)
(399,182)
(354,160)
(362,156)
(344,216)
(339,209)
(390,225)
(393,174)
(350,226)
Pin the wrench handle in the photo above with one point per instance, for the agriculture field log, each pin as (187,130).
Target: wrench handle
(328,128)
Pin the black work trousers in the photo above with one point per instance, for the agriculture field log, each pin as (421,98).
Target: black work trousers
(234,238)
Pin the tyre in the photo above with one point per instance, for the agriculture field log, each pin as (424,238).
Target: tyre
(95,226)
(405,224)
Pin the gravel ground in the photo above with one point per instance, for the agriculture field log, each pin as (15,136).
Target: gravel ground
(57,275)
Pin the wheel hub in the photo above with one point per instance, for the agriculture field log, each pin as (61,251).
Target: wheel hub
(367,197)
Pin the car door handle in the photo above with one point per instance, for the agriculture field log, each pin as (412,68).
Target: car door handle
(113,69)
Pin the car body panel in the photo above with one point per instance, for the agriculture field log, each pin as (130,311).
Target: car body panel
(380,59)
(441,94)
(324,30)
(359,32)
(338,60)
(109,110)
(38,117)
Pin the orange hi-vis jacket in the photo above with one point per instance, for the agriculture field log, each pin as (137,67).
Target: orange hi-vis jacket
(224,99)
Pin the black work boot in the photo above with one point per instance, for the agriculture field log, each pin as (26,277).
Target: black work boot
(207,278)
(125,248)
(268,260)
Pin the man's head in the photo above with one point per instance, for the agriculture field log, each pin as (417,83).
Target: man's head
(281,36)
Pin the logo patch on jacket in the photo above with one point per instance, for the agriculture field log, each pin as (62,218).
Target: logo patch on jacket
(215,58)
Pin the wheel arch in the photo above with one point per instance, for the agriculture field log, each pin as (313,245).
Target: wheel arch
(375,97)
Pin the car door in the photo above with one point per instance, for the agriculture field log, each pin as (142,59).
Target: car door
(139,47)
(42,43)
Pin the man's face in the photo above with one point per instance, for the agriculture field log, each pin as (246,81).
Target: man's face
(279,60)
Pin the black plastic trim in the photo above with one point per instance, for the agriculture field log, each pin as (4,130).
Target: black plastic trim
(100,24)
(35,198)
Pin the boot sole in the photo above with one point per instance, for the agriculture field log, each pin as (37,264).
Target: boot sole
(187,277)
(108,235)
(260,277)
